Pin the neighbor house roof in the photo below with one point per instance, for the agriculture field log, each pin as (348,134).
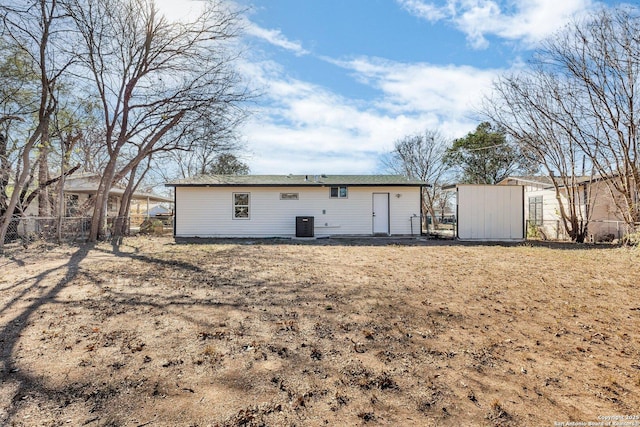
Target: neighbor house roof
(546,180)
(533,179)
(295,181)
(87,183)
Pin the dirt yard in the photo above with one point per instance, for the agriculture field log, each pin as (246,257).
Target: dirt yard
(284,333)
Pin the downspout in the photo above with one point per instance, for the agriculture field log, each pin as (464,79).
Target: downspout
(421,213)
(457,223)
(175,211)
(524,218)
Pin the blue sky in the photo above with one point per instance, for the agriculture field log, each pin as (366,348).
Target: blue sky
(341,80)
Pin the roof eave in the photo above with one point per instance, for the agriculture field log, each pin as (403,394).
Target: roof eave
(299,185)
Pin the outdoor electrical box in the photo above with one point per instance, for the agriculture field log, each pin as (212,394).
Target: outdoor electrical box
(304,226)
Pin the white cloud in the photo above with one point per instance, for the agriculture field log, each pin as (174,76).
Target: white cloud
(448,90)
(523,20)
(275,37)
(424,10)
(183,10)
(306,128)
(190,10)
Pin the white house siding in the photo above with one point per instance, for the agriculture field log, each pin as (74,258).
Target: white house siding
(208,211)
(551,226)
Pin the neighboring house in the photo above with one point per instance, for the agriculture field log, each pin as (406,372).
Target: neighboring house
(542,212)
(296,205)
(79,189)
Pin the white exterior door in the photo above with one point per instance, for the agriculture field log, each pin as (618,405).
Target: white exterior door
(380,213)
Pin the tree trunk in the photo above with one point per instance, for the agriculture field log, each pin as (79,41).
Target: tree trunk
(5,220)
(97,231)
(61,201)
(4,174)
(44,208)
(120,226)
(27,200)
(132,186)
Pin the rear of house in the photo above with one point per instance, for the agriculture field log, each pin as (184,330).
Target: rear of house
(297,205)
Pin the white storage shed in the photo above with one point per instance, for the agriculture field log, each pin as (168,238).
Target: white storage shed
(490,212)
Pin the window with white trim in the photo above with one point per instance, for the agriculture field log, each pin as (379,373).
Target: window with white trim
(535,210)
(338,192)
(241,205)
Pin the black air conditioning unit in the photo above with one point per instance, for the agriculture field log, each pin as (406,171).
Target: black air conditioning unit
(304,226)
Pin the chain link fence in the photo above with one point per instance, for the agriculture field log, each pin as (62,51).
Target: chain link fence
(610,231)
(598,231)
(443,227)
(546,230)
(29,229)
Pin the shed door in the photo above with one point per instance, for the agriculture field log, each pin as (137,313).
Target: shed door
(490,212)
(381,213)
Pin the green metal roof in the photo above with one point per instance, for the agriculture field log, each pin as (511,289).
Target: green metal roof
(295,181)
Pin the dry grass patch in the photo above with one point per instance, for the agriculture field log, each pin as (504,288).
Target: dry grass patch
(322,333)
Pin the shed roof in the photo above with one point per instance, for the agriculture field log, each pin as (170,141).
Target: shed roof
(295,181)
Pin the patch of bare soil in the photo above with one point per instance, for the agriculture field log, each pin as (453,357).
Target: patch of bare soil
(284,333)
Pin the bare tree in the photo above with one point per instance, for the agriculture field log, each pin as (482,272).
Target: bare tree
(120,226)
(580,99)
(17,100)
(5,162)
(68,130)
(157,82)
(421,156)
(90,150)
(152,77)
(522,105)
(31,28)
(601,58)
(206,145)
